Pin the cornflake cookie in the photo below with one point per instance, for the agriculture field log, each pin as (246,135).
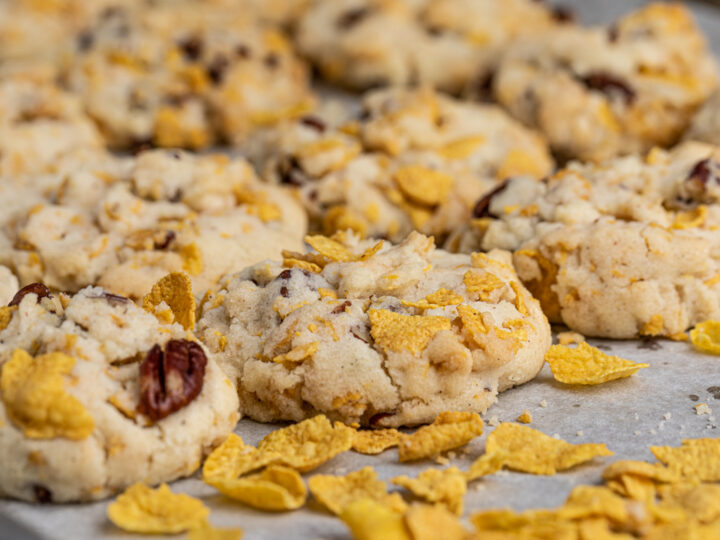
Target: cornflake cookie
(177,74)
(442,43)
(97,394)
(624,249)
(124,223)
(601,92)
(415,160)
(374,333)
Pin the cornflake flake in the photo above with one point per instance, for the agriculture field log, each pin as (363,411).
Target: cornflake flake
(588,365)
(426,522)
(696,460)
(141,509)
(371,520)
(449,430)
(706,336)
(234,458)
(336,492)
(6,313)
(398,333)
(298,355)
(422,185)
(443,486)
(440,298)
(33,392)
(276,488)
(175,290)
(485,465)
(531,451)
(375,441)
(482,284)
(330,248)
(205,531)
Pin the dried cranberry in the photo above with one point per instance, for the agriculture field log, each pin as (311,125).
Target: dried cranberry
(609,84)
(165,242)
(290,172)
(192,47)
(482,207)
(217,68)
(243,51)
(352,17)
(171,378)
(342,308)
(313,122)
(272,60)
(42,494)
(38,288)
(85,40)
(702,172)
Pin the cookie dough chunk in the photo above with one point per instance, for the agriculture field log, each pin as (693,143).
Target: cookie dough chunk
(602,92)
(124,223)
(375,333)
(624,249)
(415,160)
(182,75)
(442,43)
(96,394)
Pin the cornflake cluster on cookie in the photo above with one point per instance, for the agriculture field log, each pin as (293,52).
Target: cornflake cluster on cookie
(624,249)
(97,393)
(415,160)
(123,223)
(375,333)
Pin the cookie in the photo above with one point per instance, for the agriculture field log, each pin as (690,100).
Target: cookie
(174,75)
(443,43)
(8,285)
(624,249)
(415,160)
(705,125)
(123,223)
(374,333)
(98,394)
(608,91)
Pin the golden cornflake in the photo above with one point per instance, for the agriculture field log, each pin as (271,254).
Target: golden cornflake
(482,284)
(440,298)
(525,417)
(462,148)
(141,509)
(205,531)
(192,259)
(371,520)
(691,219)
(398,333)
(312,258)
(302,265)
(639,469)
(308,444)
(298,355)
(427,522)
(594,501)
(6,313)
(696,460)
(706,336)
(375,441)
(275,488)
(33,392)
(449,430)
(330,248)
(587,365)
(444,486)
(175,290)
(531,451)
(700,501)
(422,185)
(477,324)
(234,458)
(336,492)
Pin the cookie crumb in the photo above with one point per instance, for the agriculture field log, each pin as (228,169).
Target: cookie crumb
(442,460)
(525,417)
(493,421)
(667,416)
(544,403)
(702,408)
(579,433)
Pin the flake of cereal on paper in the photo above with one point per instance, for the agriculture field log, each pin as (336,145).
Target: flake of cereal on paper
(443,486)
(588,365)
(450,430)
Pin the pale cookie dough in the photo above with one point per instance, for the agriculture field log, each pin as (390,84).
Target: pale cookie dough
(415,160)
(602,92)
(374,333)
(8,285)
(705,124)
(624,249)
(79,389)
(176,74)
(123,223)
(443,43)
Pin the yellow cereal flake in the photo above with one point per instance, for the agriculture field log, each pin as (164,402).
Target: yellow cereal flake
(636,488)
(342,218)
(525,417)
(312,258)
(426,522)
(700,501)
(234,458)
(276,488)
(443,486)
(399,333)
(639,469)
(6,313)
(654,327)
(519,300)
(375,441)
(327,293)
(531,451)
(518,163)
(192,260)
(594,501)
(585,364)
(691,219)
(487,464)
(257,204)
(303,265)
(449,430)
(205,531)
(371,520)
(482,284)
(298,355)
(332,249)
(696,460)
(308,444)
(141,509)
(422,185)
(175,290)
(336,492)
(706,336)
(477,324)
(440,298)
(33,392)
(462,148)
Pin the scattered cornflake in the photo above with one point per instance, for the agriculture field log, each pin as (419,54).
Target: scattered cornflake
(544,403)
(702,408)
(422,185)
(482,284)
(531,524)
(706,336)
(525,417)
(375,441)
(444,486)
(426,522)
(700,501)
(488,463)
(205,531)
(308,444)
(234,458)
(440,298)
(302,265)
(141,509)
(330,248)
(371,520)
(637,488)
(399,333)
(529,450)
(494,421)
(639,469)
(33,392)
(336,492)
(588,365)
(175,290)
(276,488)
(696,460)
(450,430)
(570,338)
(594,501)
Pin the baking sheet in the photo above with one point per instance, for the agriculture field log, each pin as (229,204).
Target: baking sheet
(655,407)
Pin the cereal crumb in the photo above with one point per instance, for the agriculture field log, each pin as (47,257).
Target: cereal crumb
(442,460)
(493,421)
(667,416)
(525,417)
(702,408)
(544,403)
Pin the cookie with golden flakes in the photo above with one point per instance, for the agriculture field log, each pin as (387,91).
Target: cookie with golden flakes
(600,92)
(97,393)
(623,249)
(414,160)
(370,332)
